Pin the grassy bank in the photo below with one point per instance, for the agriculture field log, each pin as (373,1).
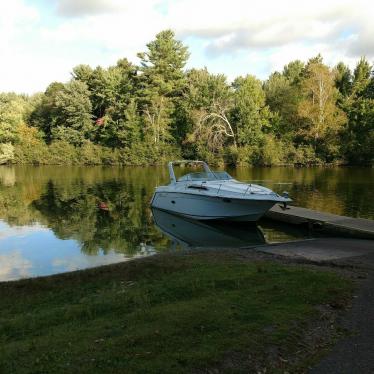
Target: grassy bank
(166,314)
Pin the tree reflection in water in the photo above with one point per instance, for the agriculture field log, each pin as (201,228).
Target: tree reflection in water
(107,208)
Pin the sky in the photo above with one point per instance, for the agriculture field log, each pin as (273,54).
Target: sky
(42,40)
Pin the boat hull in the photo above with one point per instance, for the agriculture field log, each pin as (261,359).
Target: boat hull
(211,207)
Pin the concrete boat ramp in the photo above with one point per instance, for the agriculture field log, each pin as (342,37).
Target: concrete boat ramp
(346,235)
(326,222)
(322,249)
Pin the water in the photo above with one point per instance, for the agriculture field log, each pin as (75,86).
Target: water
(56,219)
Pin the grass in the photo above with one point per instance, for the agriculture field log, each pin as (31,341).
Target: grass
(165,314)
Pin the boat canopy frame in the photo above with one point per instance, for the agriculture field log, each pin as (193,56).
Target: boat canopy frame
(171,164)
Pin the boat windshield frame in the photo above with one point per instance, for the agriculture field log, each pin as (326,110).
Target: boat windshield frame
(205,176)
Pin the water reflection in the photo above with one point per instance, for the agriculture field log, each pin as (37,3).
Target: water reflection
(191,233)
(54,219)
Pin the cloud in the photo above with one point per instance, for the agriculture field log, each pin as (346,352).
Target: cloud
(78,8)
(42,42)
(14,266)
(74,8)
(81,261)
(7,231)
(268,24)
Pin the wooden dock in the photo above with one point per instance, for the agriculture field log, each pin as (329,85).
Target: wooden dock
(341,225)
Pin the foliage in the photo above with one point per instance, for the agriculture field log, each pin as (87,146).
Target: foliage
(13,110)
(143,114)
(322,118)
(251,115)
(6,153)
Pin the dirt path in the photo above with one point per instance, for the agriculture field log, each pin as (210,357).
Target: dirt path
(354,353)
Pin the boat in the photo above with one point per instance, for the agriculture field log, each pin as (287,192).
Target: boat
(189,233)
(213,195)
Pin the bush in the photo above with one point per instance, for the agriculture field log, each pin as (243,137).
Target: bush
(303,155)
(271,151)
(61,152)
(144,154)
(89,153)
(6,153)
(30,148)
(110,156)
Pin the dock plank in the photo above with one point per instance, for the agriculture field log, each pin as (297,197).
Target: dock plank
(355,227)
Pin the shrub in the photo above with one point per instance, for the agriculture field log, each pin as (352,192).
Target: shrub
(89,153)
(61,152)
(6,153)
(304,155)
(30,148)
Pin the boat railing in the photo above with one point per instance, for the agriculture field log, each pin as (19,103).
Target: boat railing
(248,188)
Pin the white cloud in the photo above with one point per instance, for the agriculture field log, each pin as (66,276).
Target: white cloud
(40,45)
(7,231)
(81,261)
(74,8)
(14,266)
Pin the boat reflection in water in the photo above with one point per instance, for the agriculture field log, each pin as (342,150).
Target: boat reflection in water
(189,233)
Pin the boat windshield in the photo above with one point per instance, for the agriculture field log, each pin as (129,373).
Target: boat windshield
(204,176)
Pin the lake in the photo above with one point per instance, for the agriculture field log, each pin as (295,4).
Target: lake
(56,218)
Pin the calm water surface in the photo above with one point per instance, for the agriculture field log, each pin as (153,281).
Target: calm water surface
(56,219)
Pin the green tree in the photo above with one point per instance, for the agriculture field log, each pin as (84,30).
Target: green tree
(293,71)
(322,118)
(210,101)
(45,114)
(251,114)
(361,76)
(343,79)
(73,120)
(13,109)
(162,65)
(82,73)
(359,106)
(160,85)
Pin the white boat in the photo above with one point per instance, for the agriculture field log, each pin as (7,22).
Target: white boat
(211,195)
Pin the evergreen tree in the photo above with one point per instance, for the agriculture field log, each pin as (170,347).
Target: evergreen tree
(251,114)
(359,132)
(343,79)
(73,119)
(161,84)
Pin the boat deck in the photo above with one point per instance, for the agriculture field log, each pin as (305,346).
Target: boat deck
(354,227)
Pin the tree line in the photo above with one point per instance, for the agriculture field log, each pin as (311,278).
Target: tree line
(309,113)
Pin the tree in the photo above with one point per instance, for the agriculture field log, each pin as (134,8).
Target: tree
(359,133)
(157,120)
(251,114)
(293,71)
(73,120)
(82,73)
(343,79)
(160,85)
(13,110)
(322,118)
(209,99)
(361,76)
(114,94)
(359,106)
(162,65)
(45,114)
